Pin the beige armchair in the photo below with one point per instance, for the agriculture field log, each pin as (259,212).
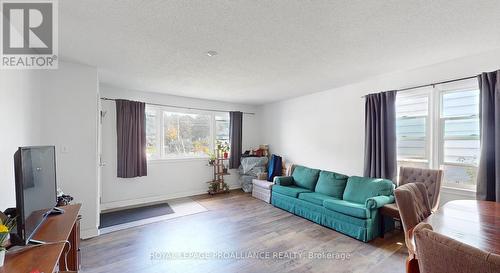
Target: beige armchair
(430,178)
(440,254)
(414,207)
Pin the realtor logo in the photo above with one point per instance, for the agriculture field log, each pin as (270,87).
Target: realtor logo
(29,34)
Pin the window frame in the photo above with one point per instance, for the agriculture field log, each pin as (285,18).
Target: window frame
(442,90)
(160,133)
(419,93)
(435,127)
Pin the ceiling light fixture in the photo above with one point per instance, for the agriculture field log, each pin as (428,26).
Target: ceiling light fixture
(211,53)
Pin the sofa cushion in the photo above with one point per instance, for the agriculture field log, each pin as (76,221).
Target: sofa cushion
(331,184)
(358,189)
(315,197)
(348,208)
(292,191)
(305,177)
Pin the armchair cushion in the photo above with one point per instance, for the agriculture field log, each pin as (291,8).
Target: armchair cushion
(305,177)
(331,184)
(348,208)
(262,184)
(292,191)
(359,189)
(283,180)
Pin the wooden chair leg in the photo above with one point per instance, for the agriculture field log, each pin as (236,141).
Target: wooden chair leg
(412,265)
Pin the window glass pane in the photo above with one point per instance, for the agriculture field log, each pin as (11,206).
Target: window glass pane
(412,110)
(186,134)
(151,134)
(461,128)
(411,138)
(459,176)
(461,103)
(461,151)
(460,137)
(412,105)
(222,127)
(461,141)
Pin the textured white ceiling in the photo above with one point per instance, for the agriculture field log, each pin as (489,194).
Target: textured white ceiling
(268,50)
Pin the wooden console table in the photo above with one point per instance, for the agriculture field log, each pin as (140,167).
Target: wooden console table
(50,257)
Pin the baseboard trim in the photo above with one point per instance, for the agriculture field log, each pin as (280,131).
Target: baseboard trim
(89,233)
(153,199)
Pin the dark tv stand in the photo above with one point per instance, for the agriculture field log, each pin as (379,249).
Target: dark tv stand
(50,257)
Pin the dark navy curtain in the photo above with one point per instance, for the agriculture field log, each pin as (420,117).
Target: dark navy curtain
(488,176)
(131,138)
(235,138)
(380,135)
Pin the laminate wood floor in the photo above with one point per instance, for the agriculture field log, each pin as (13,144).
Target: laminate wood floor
(239,233)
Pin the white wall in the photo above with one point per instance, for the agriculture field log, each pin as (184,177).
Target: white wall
(54,107)
(326,130)
(69,120)
(19,124)
(165,179)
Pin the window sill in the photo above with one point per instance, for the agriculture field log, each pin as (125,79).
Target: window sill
(458,191)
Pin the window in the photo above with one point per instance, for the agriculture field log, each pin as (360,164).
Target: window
(172,134)
(459,136)
(439,128)
(412,130)
(222,127)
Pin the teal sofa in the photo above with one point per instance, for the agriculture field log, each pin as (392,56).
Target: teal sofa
(349,205)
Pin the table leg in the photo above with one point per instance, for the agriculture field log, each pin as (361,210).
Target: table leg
(412,265)
(382,225)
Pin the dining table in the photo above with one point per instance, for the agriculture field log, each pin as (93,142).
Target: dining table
(473,222)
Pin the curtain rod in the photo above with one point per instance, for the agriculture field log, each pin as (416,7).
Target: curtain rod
(431,84)
(180,107)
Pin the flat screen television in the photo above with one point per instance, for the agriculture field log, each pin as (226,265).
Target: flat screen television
(36,189)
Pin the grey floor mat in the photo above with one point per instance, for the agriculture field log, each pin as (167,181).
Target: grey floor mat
(134,214)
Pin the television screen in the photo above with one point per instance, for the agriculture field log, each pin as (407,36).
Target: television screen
(36,190)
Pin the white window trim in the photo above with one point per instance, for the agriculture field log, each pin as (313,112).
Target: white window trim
(435,127)
(439,127)
(418,93)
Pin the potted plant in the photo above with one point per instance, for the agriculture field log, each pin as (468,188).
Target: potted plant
(223,147)
(226,150)
(211,158)
(6,225)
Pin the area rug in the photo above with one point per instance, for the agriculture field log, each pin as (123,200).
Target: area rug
(122,219)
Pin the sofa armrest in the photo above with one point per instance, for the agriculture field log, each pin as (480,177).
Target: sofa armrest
(377,202)
(283,180)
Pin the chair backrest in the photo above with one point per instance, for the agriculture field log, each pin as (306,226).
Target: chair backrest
(439,254)
(430,178)
(413,205)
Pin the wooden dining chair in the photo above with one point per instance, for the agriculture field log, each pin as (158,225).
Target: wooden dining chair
(440,254)
(413,203)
